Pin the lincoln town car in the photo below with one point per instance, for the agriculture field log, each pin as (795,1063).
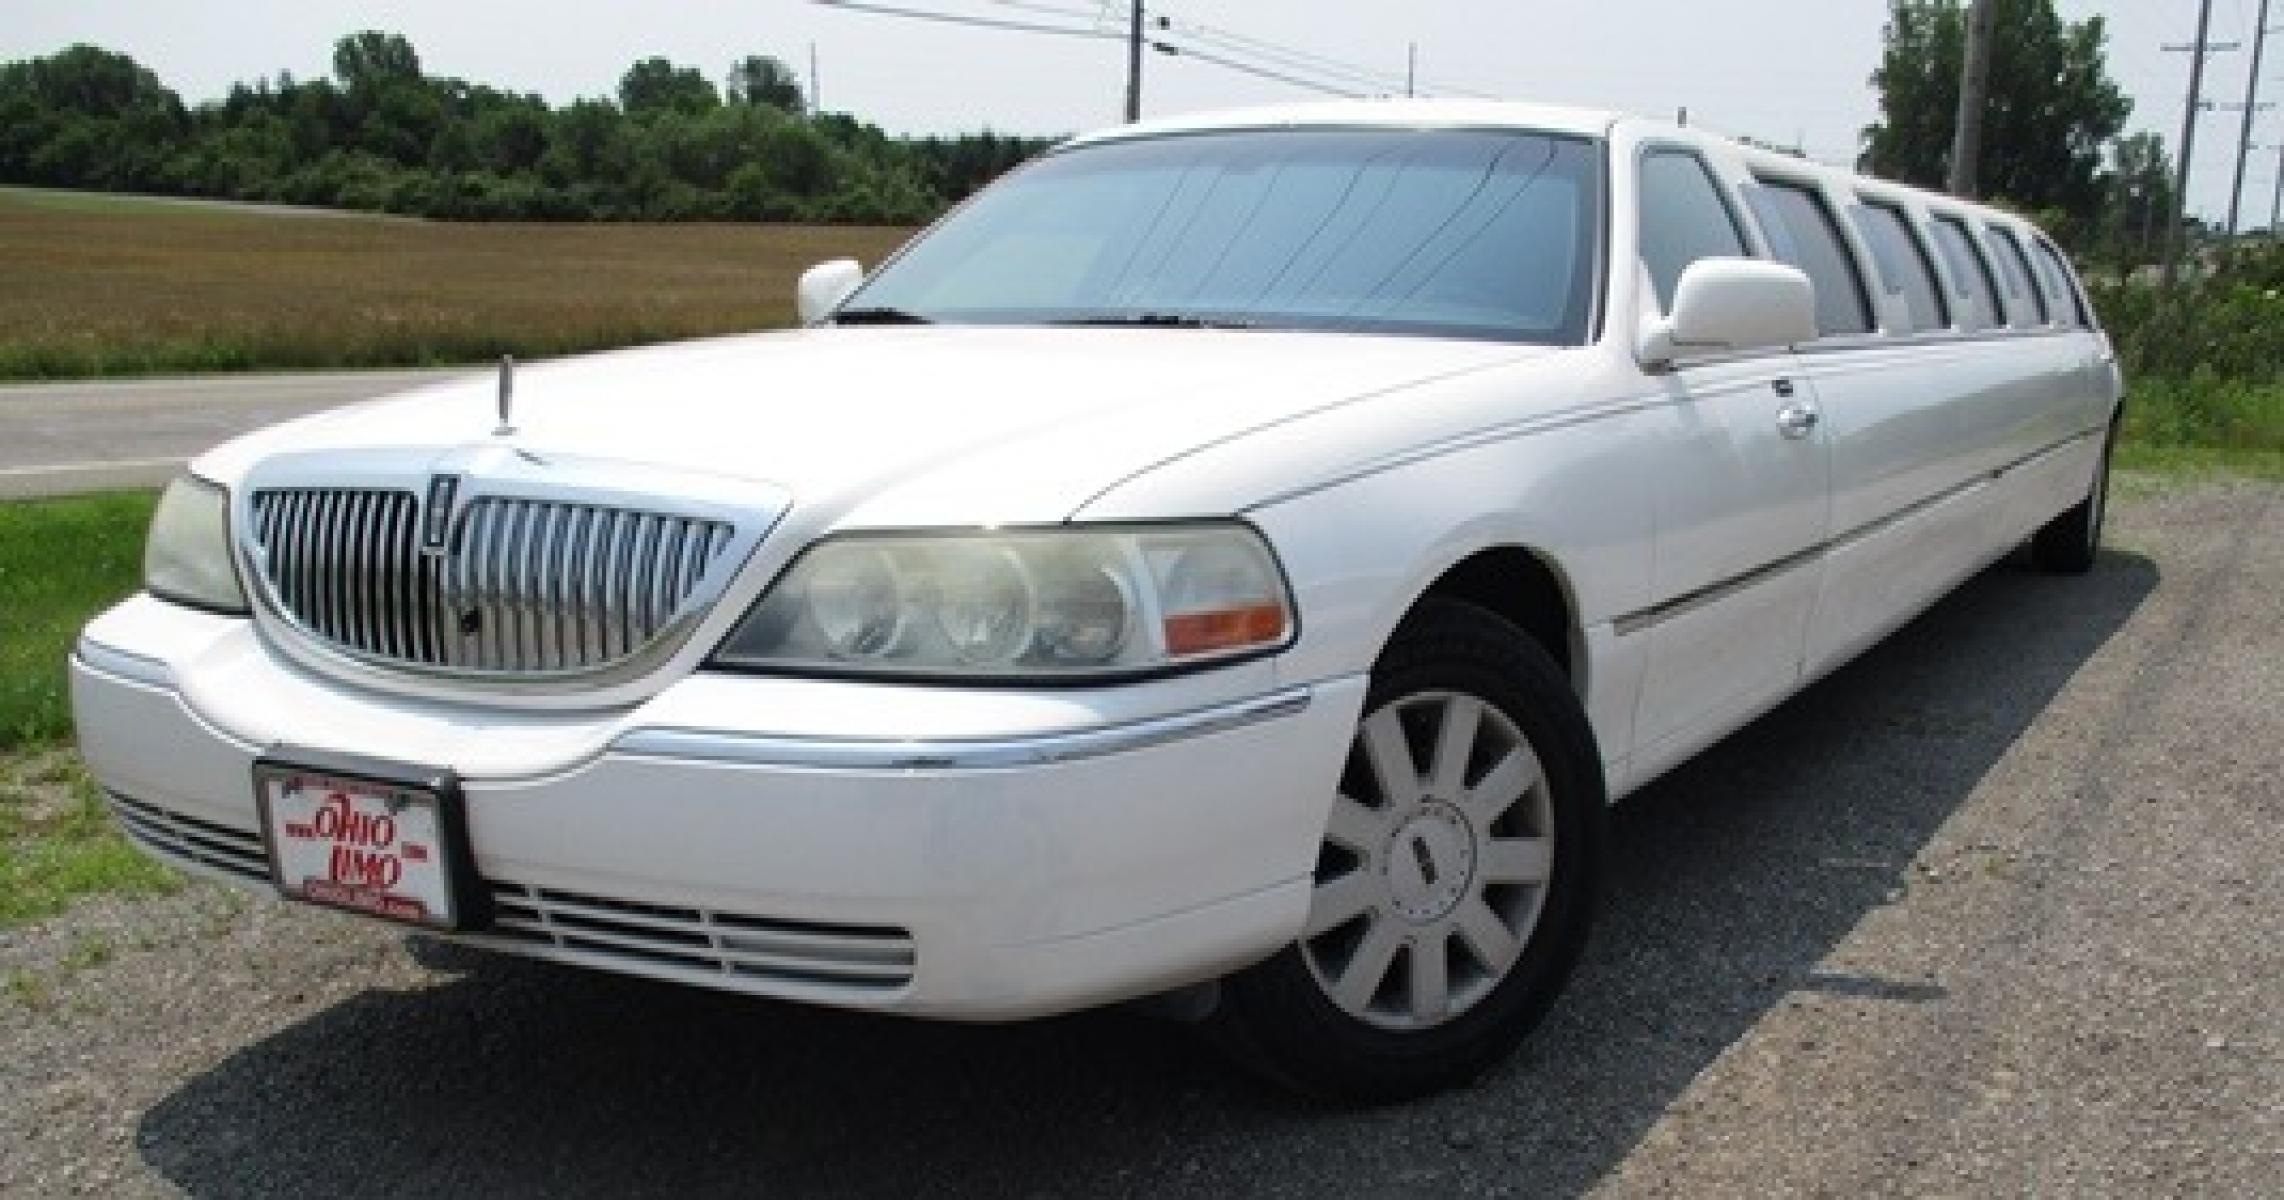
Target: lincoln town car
(1232,561)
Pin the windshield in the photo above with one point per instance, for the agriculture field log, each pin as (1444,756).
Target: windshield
(1448,232)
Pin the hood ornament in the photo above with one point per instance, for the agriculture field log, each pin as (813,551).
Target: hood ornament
(507,395)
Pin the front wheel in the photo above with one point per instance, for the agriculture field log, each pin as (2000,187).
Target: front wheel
(1455,879)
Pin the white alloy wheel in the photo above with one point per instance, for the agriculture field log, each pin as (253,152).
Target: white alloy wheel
(1434,865)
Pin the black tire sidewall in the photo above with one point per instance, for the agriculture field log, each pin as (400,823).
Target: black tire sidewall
(1298,1033)
(2070,544)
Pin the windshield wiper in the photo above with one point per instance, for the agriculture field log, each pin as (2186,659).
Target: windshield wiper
(879,316)
(1156,320)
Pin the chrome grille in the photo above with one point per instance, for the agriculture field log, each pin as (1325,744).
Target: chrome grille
(187,839)
(679,939)
(703,946)
(519,586)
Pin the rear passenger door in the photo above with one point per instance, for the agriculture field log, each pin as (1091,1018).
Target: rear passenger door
(1740,495)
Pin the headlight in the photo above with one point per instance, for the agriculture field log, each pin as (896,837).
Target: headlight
(187,559)
(1051,603)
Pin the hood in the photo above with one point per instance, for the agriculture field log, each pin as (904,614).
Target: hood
(898,426)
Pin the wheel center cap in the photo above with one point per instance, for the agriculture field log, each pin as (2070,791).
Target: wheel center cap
(1429,862)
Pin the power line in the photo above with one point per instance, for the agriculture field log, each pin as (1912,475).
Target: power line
(1212,45)
(1095,15)
(1308,60)
(1298,59)
(1260,72)
(917,14)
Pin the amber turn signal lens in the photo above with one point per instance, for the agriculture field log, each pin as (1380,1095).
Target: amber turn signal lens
(1227,629)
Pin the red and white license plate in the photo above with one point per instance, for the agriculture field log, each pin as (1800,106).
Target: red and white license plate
(368,845)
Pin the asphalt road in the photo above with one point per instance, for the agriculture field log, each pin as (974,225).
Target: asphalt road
(1994,910)
(60,438)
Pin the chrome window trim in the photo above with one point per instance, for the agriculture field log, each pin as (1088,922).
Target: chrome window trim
(955,754)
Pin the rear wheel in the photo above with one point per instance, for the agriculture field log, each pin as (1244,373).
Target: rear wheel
(1455,879)
(2069,544)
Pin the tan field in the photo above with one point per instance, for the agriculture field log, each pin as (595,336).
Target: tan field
(93,285)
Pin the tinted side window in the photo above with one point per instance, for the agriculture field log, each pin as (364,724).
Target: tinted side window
(2016,268)
(1683,219)
(1903,265)
(1802,231)
(1972,273)
(2067,303)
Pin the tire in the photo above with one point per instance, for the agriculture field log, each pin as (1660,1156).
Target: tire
(2069,544)
(1416,872)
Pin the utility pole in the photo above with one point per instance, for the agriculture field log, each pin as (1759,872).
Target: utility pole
(2174,231)
(2276,202)
(2251,106)
(1974,92)
(816,90)
(1412,68)
(1134,65)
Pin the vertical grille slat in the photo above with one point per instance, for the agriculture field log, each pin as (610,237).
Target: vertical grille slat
(522,586)
(360,567)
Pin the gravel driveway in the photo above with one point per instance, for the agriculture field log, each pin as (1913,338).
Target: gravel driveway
(1999,908)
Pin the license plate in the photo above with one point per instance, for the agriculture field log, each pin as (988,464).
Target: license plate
(386,843)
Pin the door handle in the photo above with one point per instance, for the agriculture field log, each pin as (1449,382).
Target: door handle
(1797,420)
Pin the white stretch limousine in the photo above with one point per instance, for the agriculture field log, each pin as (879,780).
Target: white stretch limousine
(1235,558)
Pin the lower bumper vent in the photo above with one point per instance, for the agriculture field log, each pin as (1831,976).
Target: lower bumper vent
(871,958)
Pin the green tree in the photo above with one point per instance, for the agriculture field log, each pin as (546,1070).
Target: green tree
(510,138)
(2140,195)
(385,135)
(372,58)
(762,80)
(656,85)
(2052,104)
(86,117)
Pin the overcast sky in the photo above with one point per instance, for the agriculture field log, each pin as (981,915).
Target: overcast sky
(1783,70)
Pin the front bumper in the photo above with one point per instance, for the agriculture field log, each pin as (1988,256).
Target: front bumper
(1025,857)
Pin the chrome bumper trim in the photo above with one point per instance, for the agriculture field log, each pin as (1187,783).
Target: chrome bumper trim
(123,664)
(884,754)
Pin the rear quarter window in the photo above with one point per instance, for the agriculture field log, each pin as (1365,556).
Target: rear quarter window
(2054,276)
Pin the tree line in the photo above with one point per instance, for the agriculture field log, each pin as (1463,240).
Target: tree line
(2050,145)
(383,135)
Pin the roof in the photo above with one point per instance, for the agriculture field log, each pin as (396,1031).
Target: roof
(1394,113)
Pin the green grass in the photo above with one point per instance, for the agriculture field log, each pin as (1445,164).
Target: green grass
(60,562)
(2190,463)
(2206,411)
(57,843)
(61,200)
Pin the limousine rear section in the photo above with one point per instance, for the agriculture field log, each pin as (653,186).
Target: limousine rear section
(1237,558)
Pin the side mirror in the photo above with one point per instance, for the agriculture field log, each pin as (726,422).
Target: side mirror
(824,286)
(1727,305)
